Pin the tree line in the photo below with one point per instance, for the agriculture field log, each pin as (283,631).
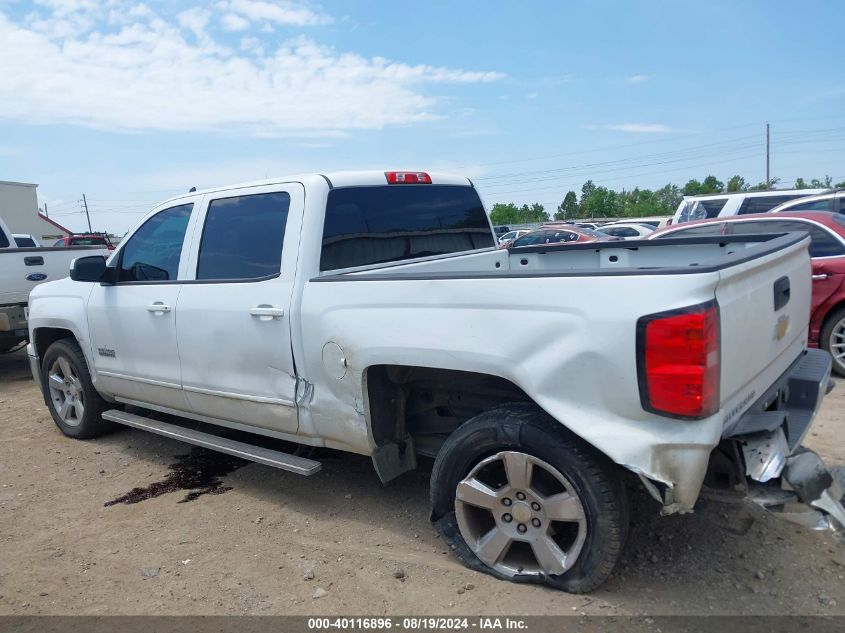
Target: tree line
(601,202)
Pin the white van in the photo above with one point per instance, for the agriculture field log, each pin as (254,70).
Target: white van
(723,204)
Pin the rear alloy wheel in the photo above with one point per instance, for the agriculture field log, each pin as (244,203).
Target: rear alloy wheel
(518,496)
(832,339)
(552,522)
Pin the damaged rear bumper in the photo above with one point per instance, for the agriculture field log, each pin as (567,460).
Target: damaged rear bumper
(782,476)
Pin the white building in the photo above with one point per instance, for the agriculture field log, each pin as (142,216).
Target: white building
(19,210)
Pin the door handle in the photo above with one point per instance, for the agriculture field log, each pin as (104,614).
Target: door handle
(158,307)
(33,261)
(820,276)
(267,312)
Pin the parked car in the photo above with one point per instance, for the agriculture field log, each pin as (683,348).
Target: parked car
(21,269)
(364,311)
(721,205)
(557,235)
(25,240)
(510,236)
(627,230)
(654,221)
(86,239)
(832,201)
(827,250)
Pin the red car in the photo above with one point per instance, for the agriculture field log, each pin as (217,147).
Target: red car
(568,234)
(827,251)
(86,239)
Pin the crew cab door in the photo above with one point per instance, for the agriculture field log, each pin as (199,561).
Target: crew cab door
(233,319)
(131,323)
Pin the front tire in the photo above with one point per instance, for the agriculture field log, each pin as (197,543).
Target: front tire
(518,496)
(832,339)
(75,405)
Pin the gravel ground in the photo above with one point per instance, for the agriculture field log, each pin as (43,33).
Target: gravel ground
(340,543)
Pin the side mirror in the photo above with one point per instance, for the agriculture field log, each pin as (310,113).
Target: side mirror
(91,269)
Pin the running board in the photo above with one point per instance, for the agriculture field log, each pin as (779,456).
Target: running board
(269,457)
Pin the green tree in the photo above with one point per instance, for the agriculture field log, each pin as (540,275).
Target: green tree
(586,190)
(764,186)
(737,183)
(535,213)
(692,188)
(600,203)
(667,199)
(827,183)
(712,185)
(504,214)
(568,208)
(840,185)
(637,203)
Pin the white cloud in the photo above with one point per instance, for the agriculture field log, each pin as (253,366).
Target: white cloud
(145,72)
(280,12)
(234,22)
(637,79)
(194,20)
(638,128)
(532,95)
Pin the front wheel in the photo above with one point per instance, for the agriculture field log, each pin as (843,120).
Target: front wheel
(518,496)
(832,339)
(75,405)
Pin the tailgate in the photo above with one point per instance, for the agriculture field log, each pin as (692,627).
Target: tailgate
(765,311)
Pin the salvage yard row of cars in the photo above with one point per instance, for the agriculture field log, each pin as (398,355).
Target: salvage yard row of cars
(819,213)
(365,312)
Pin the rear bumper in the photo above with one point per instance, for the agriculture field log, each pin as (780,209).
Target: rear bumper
(783,476)
(13,322)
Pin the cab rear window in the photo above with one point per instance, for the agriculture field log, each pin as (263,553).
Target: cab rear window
(375,225)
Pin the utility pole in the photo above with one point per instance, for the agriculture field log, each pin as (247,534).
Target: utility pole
(85,202)
(768,180)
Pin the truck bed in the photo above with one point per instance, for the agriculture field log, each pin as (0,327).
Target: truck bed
(670,256)
(560,323)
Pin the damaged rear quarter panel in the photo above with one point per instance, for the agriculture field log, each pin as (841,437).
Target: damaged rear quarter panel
(568,343)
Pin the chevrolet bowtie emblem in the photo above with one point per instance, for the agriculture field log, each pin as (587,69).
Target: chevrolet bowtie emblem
(781,327)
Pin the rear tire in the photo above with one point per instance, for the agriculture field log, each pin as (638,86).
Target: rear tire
(833,335)
(564,525)
(75,405)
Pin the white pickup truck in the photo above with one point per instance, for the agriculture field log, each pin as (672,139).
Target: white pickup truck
(21,269)
(371,312)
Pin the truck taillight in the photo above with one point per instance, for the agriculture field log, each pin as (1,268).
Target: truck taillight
(678,361)
(407,178)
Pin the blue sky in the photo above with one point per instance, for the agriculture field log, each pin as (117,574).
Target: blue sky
(132,102)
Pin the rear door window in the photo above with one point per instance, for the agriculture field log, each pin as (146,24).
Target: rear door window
(763,204)
(242,237)
(822,242)
(25,242)
(813,205)
(390,223)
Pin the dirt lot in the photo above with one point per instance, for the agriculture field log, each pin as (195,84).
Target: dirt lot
(247,551)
